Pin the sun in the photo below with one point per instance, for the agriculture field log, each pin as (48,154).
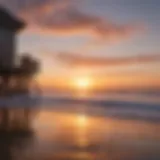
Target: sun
(82,83)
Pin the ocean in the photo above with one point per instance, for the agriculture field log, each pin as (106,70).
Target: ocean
(92,127)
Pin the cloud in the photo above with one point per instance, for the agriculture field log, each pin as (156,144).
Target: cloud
(75,60)
(25,5)
(68,21)
(61,17)
(73,21)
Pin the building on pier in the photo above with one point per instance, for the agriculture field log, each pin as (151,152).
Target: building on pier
(15,78)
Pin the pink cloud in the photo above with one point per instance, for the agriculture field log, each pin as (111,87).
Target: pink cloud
(83,61)
(60,17)
(73,21)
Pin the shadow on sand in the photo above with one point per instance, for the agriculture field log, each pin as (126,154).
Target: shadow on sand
(13,143)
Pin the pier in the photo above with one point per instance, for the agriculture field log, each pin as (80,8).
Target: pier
(16,76)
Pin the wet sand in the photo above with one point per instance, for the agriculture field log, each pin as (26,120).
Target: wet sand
(78,136)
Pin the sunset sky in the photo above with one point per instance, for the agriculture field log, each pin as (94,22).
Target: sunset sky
(96,39)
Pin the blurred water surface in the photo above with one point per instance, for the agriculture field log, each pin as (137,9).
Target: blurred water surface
(81,132)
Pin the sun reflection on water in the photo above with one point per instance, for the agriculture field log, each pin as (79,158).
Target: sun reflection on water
(82,124)
(82,120)
(83,136)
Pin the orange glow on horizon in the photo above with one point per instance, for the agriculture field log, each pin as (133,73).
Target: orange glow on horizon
(81,87)
(83,83)
(86,83)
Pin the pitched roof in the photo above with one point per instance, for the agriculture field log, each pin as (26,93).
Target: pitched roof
(8,21)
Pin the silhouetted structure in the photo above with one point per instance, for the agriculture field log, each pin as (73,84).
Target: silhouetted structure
(14,79)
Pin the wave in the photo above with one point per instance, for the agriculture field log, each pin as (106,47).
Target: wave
(111,108)
(119,109)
